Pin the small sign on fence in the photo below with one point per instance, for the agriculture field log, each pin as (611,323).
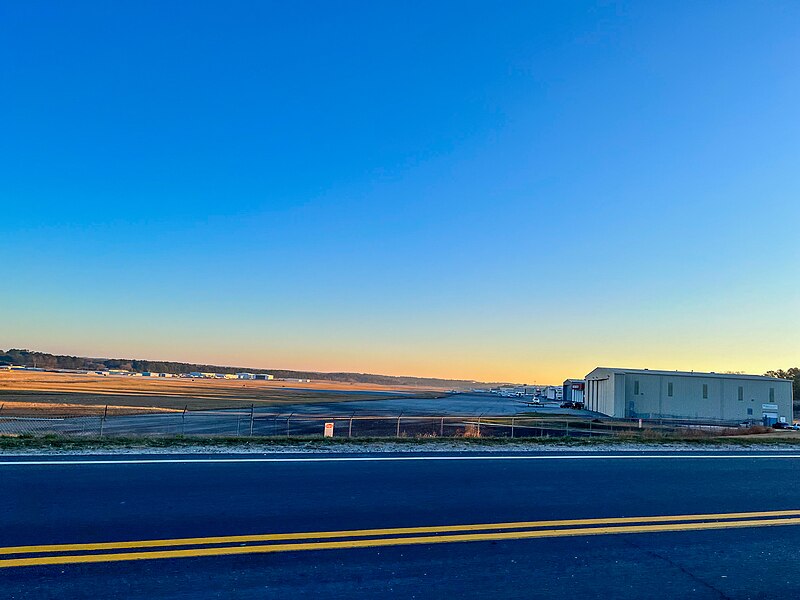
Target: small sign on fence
(328,429)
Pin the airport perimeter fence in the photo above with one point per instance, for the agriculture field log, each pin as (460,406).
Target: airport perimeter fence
(252,422)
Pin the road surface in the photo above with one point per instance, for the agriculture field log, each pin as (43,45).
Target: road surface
(714,525)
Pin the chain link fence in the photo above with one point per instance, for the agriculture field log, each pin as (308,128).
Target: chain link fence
(254,422)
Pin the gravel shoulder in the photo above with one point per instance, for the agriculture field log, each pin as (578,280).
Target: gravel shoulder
(183,446)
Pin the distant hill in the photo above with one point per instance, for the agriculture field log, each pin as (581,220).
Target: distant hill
(44,360)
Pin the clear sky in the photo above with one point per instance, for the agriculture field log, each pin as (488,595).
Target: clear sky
(490,190)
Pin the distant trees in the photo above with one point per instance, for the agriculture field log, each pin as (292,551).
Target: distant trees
(793,374)
(28,358)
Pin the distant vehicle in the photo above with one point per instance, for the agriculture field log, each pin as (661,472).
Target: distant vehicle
(793,426)
(573,405)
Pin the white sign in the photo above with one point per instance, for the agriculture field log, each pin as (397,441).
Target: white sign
(769,406)
(328,429)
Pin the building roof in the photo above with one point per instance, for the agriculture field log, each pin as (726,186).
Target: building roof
(687,373)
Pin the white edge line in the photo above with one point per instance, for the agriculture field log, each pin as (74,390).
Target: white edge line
(155,461)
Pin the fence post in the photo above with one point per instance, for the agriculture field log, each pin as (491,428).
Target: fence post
(252,417)
(512,428)
(183,420)
(397,434)
(103,420)
(441,428)
(479,424)
(566,428)
(350,427)
(288,419)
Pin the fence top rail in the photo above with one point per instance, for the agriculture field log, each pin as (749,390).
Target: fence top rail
(312,417)
(485,419)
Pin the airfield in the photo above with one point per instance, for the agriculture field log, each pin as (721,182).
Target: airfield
(43,393)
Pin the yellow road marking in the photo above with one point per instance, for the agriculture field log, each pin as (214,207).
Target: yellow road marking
(316,535)
(402,541)
(406,541)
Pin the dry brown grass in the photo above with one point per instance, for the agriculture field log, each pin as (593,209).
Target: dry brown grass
(471,431)
(39,390)
(753,430)
(49,409)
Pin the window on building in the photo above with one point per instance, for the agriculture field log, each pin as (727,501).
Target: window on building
(772,394)
(741,393)
(749,411)
(635,387)
(669,389)
(705,390)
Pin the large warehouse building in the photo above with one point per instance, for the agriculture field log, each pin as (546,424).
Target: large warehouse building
(645,394)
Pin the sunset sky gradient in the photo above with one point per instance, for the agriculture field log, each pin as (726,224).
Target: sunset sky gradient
(504,191)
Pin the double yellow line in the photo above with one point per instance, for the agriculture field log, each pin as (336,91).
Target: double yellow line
(62,554)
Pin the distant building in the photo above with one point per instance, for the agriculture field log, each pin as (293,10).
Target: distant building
(553,393)
(510,391)
(245,376)
(572,390)
(263,376)
(645,394)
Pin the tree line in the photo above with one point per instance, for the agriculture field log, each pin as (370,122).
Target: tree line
(44,360)
(793,374)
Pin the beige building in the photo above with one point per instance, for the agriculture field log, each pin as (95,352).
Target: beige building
(646,394)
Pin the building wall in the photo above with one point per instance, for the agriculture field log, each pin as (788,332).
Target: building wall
(571,395)
(602,392)
(708,397)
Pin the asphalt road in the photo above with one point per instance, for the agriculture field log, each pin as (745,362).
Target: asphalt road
(405,526)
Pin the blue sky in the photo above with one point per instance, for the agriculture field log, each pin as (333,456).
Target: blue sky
(505,191)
